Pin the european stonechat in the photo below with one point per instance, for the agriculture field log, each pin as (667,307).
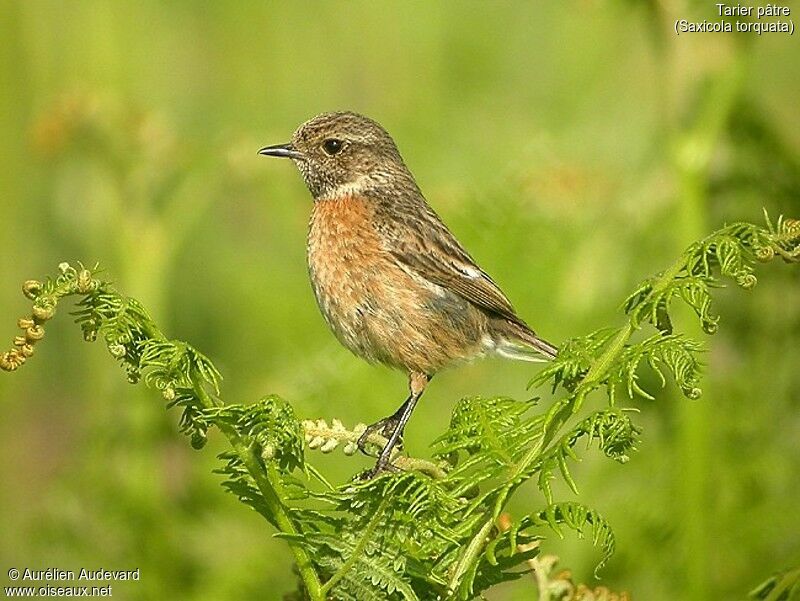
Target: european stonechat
(391,280)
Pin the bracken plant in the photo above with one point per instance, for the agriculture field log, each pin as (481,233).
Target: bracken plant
(434,528)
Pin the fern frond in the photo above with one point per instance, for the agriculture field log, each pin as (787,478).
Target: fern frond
(486,437)
(373,572)
(613,431)
(677,353)
(239,482)
(518,543)
(269,425)
(575,358)
(578,518)
(425,519)
(171,363)
(733,250)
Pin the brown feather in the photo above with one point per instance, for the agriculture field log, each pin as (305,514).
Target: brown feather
(424,244)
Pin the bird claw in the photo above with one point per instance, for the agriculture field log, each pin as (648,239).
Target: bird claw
(386,427)
(378,469)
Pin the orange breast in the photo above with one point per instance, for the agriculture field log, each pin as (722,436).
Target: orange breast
(342,245)
(375,307)
(344,261)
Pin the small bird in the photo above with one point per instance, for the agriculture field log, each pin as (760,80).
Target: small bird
(391,280)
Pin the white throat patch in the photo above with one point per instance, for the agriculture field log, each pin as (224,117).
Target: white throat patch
(349,189)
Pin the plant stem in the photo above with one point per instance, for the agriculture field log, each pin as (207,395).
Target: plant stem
(471,552)
(271,498)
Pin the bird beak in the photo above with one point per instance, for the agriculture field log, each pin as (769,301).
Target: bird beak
(286,151)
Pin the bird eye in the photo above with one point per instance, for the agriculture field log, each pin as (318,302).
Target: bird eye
(332,146)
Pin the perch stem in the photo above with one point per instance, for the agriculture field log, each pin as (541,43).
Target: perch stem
(304,565)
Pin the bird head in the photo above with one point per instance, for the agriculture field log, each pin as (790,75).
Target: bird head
(343,153)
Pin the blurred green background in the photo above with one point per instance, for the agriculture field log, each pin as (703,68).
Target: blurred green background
(574,147)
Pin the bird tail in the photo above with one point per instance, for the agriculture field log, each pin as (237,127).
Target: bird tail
(522,344)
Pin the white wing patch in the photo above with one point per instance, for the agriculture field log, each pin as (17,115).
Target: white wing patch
(510,350)
(471,272)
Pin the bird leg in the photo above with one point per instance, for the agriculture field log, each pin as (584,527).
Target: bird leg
(392,427)
(385,427)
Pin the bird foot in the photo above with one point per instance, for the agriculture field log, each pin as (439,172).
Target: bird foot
(381,467)
(386,427)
